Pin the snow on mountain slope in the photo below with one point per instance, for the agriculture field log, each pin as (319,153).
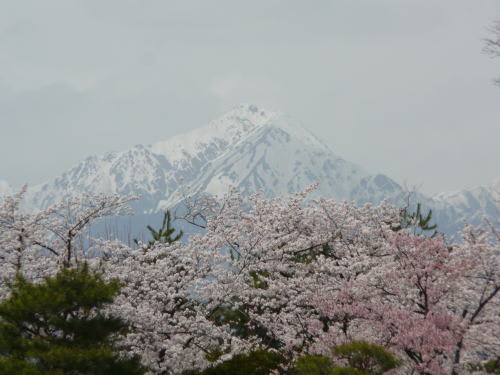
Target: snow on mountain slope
(153,172)
(205,143)
(277,157)
(478,196)
(375,188)
(137,171)
(474,204)
(249,148)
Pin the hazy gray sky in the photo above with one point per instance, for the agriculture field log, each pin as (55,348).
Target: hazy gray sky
(398,86)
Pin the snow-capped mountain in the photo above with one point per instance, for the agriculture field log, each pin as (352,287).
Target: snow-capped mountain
(276,157)
(252,149)
(471,204)
(247,147)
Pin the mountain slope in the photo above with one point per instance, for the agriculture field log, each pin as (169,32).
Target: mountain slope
(153,172)
(251,149)
(474,205)
(247,147)
(278,157)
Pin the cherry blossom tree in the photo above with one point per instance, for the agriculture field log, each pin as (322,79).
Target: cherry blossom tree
(437,305)
(35,244)
(322,274)
(290,275)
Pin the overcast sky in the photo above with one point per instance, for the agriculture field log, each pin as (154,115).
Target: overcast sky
(398,86)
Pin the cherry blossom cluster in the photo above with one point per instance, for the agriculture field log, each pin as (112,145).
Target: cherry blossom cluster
(302,276)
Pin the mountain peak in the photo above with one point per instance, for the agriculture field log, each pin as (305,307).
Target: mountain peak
(245,113)
(249,116)
(230,128)
(254,149)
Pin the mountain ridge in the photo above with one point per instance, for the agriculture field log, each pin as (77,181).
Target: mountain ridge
(252,149)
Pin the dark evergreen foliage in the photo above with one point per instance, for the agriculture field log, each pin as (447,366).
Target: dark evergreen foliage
(165,234)
(366,357)
(361,358)
(417,220)
(257,362)
(58,327)
(312,365)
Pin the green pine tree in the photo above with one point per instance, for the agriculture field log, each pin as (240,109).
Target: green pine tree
(59,327)
(418,221)
(358,357)
(365,357)
(165,234)
(312,365)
